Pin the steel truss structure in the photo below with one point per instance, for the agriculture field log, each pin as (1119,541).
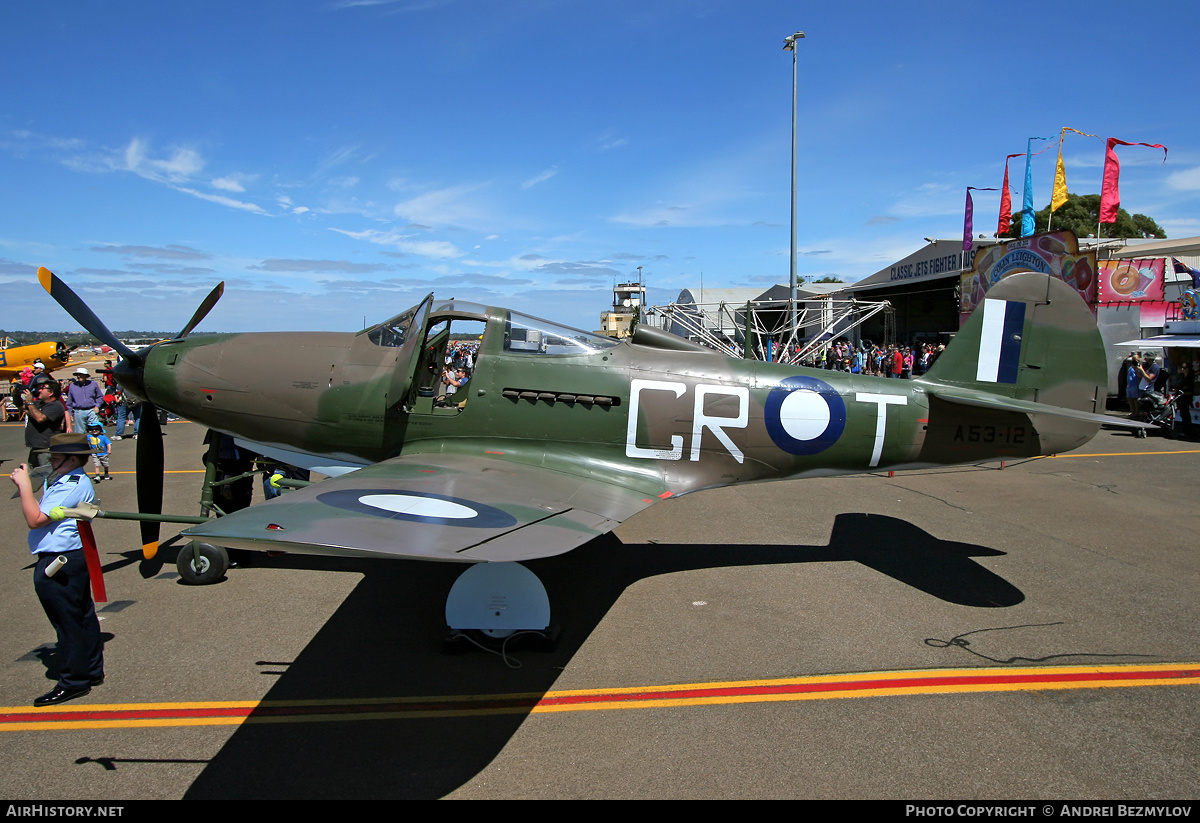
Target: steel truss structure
(723,326)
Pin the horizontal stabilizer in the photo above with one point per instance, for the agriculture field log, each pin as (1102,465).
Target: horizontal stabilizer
(985,400)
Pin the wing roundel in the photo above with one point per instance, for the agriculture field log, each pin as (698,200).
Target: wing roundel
(455,508)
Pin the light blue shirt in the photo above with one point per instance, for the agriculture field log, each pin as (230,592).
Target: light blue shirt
(62,535)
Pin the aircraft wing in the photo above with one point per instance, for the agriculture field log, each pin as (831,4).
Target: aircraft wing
(447,507)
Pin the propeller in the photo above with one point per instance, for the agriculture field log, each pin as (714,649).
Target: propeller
(203,310)
(149,465)
(130,374)
(83,315)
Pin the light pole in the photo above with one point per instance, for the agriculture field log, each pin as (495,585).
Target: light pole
(789,44)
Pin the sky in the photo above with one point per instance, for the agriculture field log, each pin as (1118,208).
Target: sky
(333,161)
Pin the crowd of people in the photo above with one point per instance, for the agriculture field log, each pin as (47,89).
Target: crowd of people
(1160,394)
(79,405)
(457,370)
(894,361)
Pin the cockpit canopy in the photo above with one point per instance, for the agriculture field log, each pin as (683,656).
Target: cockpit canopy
(395,331)
(523,333)
(532,335)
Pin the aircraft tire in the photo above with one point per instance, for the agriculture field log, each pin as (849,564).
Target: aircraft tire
(208,569)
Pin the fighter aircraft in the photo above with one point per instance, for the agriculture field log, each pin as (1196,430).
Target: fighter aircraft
(14,357)
(559,435)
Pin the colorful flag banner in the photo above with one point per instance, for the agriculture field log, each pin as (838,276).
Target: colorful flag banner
(968,218)
(1059,196)
(1183,268)
(1027,227)
(1110,196)
(1005,221)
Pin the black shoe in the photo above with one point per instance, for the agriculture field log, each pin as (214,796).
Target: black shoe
(60,695)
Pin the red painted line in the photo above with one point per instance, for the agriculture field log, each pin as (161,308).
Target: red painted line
(665,495)
(868,685)
(124,714)
(261,711)
(485,451)
(849,685)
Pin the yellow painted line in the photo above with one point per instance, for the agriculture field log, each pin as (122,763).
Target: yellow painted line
(862,684)
(168,471)
(1114,454)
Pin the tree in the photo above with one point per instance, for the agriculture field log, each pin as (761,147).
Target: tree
(830,279)
(1080,214)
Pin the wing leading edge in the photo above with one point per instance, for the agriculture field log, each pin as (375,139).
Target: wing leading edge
(430,507)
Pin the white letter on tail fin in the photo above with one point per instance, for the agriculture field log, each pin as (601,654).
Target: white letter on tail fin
(883,401)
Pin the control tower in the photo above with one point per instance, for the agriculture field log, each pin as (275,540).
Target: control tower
(628,301)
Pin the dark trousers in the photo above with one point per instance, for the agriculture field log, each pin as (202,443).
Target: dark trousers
(1185,416)
(67,600)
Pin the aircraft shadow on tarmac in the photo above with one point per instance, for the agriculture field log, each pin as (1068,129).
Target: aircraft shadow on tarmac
(384,641)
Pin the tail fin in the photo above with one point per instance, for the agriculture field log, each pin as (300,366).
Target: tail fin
(1032,348)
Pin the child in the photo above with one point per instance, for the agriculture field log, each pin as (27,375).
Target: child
(101,449)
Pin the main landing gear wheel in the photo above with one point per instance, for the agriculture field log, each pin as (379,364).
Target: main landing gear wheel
(202,564)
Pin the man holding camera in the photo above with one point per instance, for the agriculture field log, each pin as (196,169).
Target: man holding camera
(45,416)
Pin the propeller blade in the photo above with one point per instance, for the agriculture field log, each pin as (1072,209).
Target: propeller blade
(203,310)
(83,315)
(149,476)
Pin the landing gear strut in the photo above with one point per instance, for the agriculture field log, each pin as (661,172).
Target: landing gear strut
(201,564)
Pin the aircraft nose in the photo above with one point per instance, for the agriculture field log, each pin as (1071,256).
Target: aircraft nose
(131,377)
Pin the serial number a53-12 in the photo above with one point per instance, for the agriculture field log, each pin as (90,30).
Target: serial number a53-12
(1011,435)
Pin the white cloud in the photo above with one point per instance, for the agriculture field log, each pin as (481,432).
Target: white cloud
(223,200)
(336,158)
(436,249)
(1181,227)
(233,182)
(608,140)
(540,178)
(1186,180)
(452,205)
(180,165)
(930,200)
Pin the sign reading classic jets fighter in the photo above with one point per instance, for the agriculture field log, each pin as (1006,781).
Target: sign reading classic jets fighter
(559,435)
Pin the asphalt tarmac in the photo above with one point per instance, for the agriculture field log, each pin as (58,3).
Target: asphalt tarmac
(717,645)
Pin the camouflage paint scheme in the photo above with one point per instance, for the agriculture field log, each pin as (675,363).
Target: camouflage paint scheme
(551,450)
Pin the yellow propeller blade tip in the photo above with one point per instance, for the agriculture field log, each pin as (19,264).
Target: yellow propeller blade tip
(44,277)
(149,550)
